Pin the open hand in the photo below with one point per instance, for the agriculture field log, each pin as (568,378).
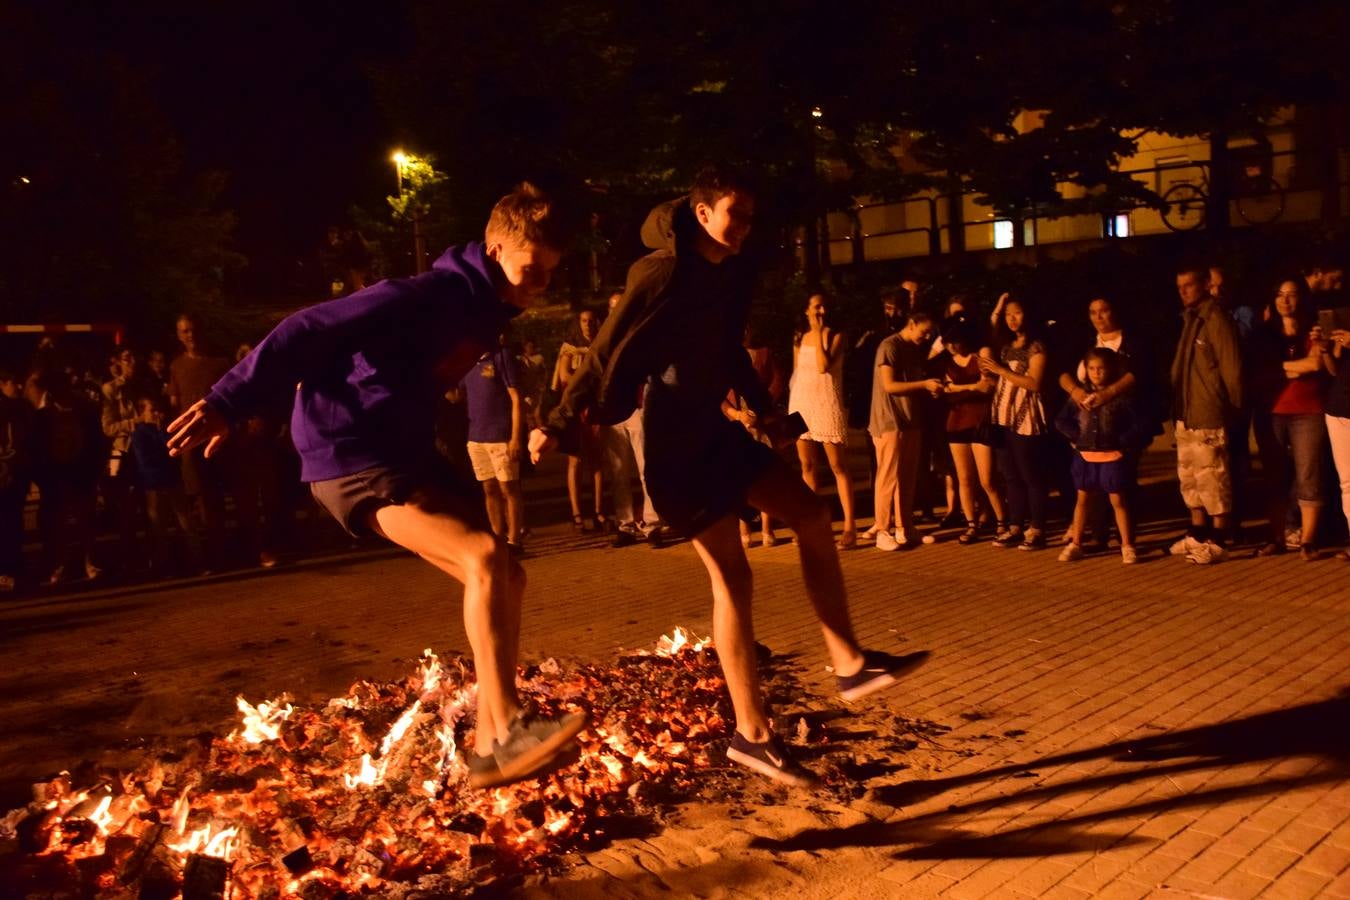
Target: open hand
(200,424)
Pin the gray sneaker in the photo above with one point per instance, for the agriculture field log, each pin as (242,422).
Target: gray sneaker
(532,745)
(770,759)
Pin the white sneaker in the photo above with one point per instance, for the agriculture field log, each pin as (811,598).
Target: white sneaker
(1128,556)
(1207,554)
(1071,553)
(1293,538)
(887,541)
(1183,546)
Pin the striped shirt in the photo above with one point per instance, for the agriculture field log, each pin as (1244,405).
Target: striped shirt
(1015,408)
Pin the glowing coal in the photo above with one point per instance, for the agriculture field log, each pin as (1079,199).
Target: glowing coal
(366,793)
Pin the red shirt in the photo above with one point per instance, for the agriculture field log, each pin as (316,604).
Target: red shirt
(1301,396)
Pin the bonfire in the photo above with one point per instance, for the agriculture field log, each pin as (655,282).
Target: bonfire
(366,794)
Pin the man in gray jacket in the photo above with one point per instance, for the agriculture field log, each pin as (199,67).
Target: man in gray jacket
(1206,393)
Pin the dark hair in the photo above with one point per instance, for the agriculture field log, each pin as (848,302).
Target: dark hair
(1108,358)
(961,329)
(1323,261)
(714,182)
(1198,269)
(803,326)
(1305,312)
(918,318)
(528,215)
(574,335)
(1031,326)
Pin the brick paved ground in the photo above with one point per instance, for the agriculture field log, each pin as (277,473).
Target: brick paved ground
(1167,729)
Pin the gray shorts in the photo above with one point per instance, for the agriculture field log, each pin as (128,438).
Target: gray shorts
(352,498)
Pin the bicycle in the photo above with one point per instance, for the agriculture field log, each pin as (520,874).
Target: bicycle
(1260,199)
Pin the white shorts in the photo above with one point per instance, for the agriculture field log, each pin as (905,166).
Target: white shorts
(493,461)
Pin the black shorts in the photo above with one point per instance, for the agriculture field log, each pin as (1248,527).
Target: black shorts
(352,498)
(980,434)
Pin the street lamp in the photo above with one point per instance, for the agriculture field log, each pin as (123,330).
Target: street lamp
(401,161)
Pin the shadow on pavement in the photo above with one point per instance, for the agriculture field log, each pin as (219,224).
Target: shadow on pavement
(1319,729)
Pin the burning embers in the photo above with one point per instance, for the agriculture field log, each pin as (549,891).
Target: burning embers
(367,793)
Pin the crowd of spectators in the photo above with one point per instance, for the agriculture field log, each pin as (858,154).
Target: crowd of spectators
(1000,413)
(91,440)
(1007,411)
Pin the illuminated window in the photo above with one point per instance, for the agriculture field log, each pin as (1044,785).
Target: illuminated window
(1120,225)
(1003,234)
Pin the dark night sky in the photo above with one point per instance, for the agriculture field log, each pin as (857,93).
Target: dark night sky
(277,95)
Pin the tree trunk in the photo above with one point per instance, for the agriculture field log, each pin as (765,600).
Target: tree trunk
(1220,182)
(811,251)
(956,223)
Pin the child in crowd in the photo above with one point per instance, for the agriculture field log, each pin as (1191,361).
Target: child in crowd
(1104,435)
(161,479)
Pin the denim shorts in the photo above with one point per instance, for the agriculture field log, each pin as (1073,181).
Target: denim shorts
(1107,477)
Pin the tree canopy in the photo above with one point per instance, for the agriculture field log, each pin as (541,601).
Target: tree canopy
(897,96)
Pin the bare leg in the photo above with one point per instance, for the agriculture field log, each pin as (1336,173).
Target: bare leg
(493,500)
(733,631)
(437,528)
(781,495)
(1308,516)
(574,484)
(1123,522)
(515,510)
(806,455)
(837,454)
(596,463)
(1080,514)
(963,460)
(984,464)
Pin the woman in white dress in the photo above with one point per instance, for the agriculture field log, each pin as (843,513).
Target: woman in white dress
(817,393)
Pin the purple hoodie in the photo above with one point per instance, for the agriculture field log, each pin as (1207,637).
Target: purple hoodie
(367,370)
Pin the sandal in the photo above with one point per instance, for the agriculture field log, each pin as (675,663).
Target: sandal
(578,523)
(1270,548)
(970,535)
(847,541)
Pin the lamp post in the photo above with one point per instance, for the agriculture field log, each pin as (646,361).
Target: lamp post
(401,160)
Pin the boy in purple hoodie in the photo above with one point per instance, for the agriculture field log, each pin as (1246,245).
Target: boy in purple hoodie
(366,371)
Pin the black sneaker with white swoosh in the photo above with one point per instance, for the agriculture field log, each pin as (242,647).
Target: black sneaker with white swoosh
(880,670)
(770,759)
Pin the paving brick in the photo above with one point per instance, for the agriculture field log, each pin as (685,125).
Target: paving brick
(1240,885)
(1339,886)
(928,884)
(1268,861)
(1296,884)
(1241,840)
(1171,652)
(1124,889)
(1298,837)
(1326,859)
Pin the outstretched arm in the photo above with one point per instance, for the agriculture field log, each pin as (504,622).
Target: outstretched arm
(303,343)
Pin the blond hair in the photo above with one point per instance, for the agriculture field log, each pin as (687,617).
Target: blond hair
(527,216)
